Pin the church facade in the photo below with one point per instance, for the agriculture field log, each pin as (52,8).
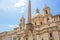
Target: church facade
(40,27)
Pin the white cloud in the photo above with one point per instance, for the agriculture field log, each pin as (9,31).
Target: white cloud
(13,5)
(12,26)
(20,4)
(8,27)
(22,10)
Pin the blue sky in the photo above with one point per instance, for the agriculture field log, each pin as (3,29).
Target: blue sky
(12,10)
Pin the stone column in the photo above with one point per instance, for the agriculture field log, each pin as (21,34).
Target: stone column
(0,38)
(30,38)
(17,38)
(46,36)
(56,35)
(22,38)
(12,37)
(37,37)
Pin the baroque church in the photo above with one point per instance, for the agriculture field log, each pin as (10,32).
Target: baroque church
(40,27)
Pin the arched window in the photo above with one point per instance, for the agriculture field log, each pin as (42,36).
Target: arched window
(26,38)
(33,39)
(41,23)
(59,16)
(48,20)
(19,39)
(46,12)
(42,39)
(50,34)
(21,28)
(35,23)
(51,37)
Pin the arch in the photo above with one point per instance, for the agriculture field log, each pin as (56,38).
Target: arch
(47,19)
(50,34)
(35,23)
(41,23)
(46,12)
(19,39)
(42,38)
(33,39)
(26,38)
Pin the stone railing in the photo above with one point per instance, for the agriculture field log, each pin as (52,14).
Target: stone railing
(49,25)
(21,32)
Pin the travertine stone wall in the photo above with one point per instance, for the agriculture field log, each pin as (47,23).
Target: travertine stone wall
(56,35)
(46,36)
(7,38)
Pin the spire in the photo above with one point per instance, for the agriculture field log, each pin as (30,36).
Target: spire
(29,12)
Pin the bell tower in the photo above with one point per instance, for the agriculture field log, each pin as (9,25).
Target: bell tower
(22,23)
(47,14)
(46,10)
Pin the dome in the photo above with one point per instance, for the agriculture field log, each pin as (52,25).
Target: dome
(37,14)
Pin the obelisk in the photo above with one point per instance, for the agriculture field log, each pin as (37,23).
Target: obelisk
(29,24)
(29,12)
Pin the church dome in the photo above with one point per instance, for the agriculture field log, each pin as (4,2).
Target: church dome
(37,14)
